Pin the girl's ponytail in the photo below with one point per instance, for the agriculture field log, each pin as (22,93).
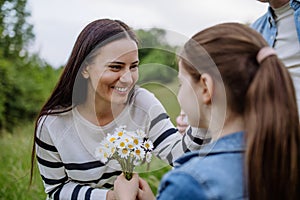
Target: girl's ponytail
(272,133)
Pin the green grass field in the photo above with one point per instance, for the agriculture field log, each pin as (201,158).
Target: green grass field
(15,157)
(15,154)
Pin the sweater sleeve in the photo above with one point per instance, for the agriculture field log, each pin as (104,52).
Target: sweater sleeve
(56,182)
(168,143)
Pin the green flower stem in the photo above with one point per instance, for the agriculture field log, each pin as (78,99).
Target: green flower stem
(128,175)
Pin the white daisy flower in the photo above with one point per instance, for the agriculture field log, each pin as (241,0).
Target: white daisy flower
(124,152)
(107,145)
(129,148)
(120,131)
(111,138)
(127,138)
(139,153)
(148,145)
(102,154)
(137,141)
(121,143)
(130,145)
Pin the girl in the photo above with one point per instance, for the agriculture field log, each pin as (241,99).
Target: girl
(256,153)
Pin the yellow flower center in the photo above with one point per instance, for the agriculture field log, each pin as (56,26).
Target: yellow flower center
(112,139)
(124,151)
(147,146)
(120,133)
(138,152)
(122,144)
(136,141)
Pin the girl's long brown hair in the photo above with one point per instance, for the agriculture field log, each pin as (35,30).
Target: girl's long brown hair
(264,94)
(71,88)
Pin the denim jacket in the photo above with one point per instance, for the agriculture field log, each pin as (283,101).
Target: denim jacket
(267,27)
(214,172)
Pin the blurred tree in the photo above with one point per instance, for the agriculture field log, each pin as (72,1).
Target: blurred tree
(154,37)
(15,32)
(15,36)
(157,56)
(25,80)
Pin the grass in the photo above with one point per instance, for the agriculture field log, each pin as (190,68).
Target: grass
(15,158)
(16,147)
(167,94)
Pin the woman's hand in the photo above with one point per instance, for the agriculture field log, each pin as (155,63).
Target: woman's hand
(181,122)
(124,189)
(145,192)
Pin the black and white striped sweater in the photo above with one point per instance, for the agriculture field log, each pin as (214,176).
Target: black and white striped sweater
(66,143)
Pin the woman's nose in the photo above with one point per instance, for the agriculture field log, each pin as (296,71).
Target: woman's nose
(126,77)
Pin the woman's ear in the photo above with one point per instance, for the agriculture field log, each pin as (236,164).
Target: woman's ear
(207,86)
(85,72)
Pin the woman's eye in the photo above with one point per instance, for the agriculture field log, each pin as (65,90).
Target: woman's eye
(115,67)
(134,67)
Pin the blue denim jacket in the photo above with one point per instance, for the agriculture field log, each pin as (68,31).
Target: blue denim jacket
(214,172)
(267,27)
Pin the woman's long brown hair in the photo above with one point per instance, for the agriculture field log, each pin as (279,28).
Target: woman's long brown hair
(71,88)
(264,94)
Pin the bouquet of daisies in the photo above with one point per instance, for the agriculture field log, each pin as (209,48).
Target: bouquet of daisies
(129,148)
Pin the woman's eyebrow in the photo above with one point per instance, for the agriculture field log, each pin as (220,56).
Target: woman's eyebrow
(135,62)
(116,62)
(122,63)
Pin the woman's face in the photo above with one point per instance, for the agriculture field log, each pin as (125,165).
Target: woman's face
(113,72)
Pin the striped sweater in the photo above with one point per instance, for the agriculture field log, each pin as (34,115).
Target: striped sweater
(66,143)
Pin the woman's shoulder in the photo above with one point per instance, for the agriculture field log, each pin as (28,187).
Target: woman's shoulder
(143,93)
(55,118)
(145,98)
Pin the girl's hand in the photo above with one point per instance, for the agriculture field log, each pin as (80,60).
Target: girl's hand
(145,192)
(125,189)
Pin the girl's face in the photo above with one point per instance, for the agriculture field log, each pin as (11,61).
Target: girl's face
(113,72)
(188,96)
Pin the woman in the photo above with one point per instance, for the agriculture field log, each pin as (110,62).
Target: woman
(95,94)
(256,154)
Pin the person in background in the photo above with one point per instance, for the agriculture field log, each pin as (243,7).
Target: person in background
(256,154)
(95,94)
(280,27)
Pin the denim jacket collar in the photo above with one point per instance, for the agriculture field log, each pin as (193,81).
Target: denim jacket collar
(230,143)
(295,4)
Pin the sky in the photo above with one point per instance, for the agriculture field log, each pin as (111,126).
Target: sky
(57,23)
